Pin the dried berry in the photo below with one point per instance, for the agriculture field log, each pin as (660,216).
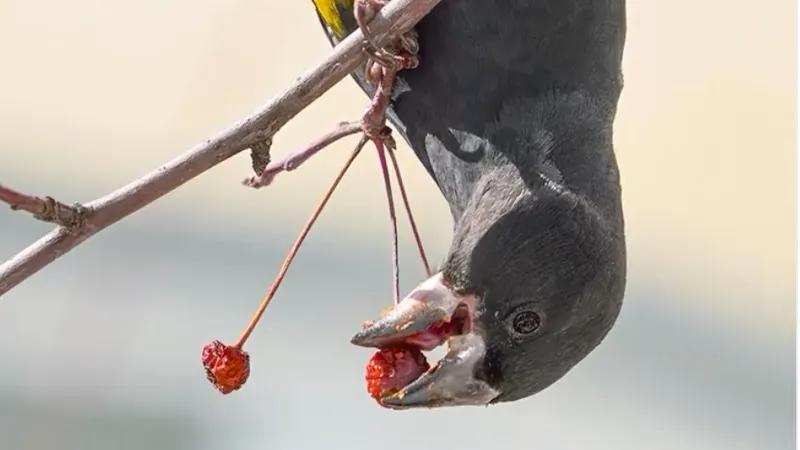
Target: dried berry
(392,368)
(227,367)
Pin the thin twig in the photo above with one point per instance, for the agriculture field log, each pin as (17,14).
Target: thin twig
(394,19)
(296,159)
(46,209)
(296,246)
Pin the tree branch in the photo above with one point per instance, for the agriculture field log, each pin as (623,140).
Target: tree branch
(255,131)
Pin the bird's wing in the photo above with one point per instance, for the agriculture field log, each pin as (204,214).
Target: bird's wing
(336,17)
(338,21)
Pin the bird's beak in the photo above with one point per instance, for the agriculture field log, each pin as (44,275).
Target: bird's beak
(451,382)
(415,321)
(428,304)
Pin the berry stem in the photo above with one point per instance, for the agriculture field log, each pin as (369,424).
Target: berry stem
(387,183)
(296,246)
(411,220)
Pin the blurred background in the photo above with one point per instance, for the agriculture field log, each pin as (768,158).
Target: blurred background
(101,350)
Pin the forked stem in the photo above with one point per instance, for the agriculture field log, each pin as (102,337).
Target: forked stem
(411,220)
(296,246)
(387,183)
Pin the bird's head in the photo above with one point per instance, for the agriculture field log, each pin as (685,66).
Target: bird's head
(532,283)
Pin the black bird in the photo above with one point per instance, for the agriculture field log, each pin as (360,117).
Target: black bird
(511,112)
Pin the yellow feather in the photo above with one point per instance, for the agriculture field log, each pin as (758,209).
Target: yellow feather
(331,10)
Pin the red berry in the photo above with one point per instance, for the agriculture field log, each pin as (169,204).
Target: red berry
(227,368)
(391,369)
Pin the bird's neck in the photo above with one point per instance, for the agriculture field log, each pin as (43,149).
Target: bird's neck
(493,196)
(469,167)
(561,140)
(519,168)
(490,184)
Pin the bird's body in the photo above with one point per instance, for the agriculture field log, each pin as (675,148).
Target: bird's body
(544,57)
(511,111)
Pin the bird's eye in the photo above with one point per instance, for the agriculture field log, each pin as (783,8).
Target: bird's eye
(524,322)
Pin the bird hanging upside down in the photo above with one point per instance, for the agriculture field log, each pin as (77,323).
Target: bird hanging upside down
(511,111)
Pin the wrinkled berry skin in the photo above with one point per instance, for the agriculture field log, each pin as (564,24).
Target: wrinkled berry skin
(227,367)
(392,368)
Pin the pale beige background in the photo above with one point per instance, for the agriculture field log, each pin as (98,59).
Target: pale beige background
(95,93)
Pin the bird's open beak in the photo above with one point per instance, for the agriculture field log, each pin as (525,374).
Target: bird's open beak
(432,314)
